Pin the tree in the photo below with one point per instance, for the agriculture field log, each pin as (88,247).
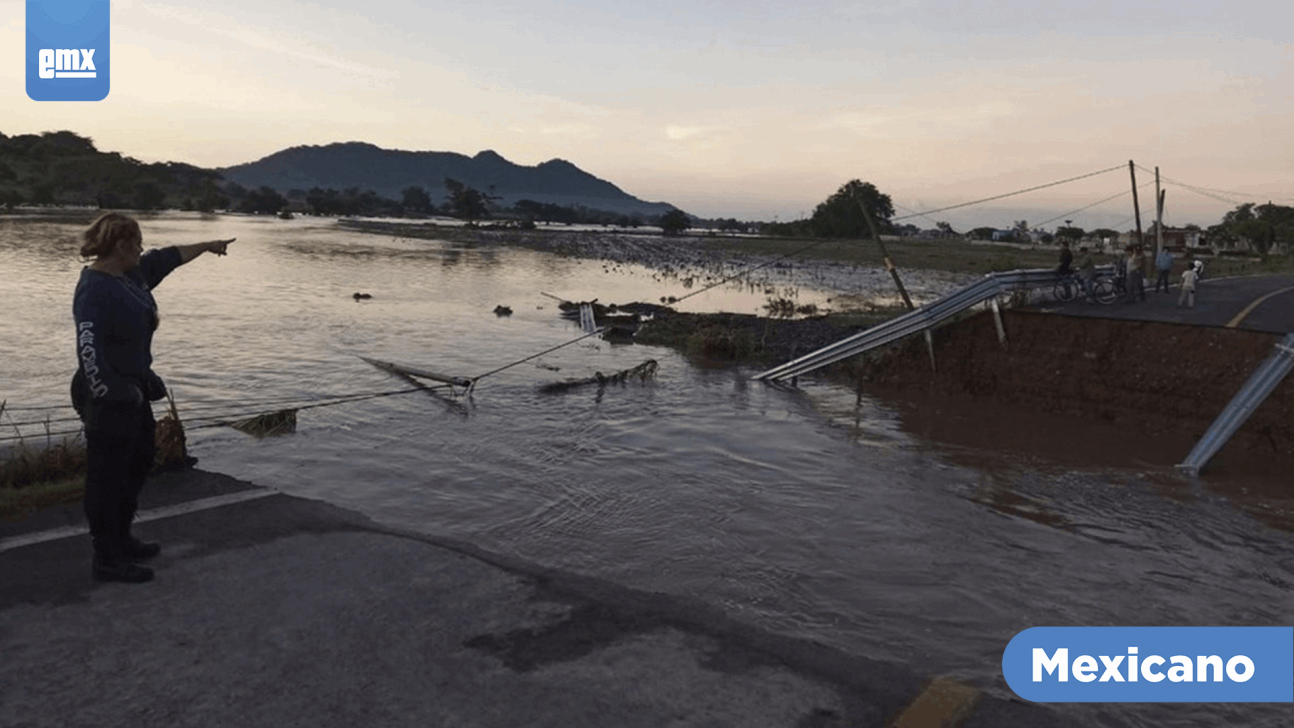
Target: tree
(674,222)
(983,233)
(416,199)
(840,216)
(1105,234)
(1259,227)
(147,196)
(264,199)
(1071,233)
(945,228)
(466,203)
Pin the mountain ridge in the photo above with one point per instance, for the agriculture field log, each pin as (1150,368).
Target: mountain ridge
(388,172)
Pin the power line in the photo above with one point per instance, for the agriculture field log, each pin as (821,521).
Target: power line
(1094,204)
(1073,212)
(1226,196)
(1009,194)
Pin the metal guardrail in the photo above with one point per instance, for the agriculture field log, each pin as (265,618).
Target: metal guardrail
(1254,392)
(916,321)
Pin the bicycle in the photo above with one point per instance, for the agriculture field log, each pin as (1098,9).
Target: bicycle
(1104,290)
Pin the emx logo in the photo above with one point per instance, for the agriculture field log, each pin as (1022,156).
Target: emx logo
(67,50)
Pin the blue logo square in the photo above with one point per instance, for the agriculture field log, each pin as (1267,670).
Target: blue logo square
(68,54)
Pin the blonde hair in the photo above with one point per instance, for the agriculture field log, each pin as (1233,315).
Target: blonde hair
(106,233)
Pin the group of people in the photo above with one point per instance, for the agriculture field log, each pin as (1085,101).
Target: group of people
(1129,269)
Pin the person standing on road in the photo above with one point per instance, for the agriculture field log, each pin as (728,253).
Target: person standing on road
(1136,281)
(1163,264)
(116,316)
(1190,277)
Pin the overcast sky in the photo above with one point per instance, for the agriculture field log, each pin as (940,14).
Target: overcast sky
(730,108)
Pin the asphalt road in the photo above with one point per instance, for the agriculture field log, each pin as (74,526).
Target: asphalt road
(271,610)
(1257,303)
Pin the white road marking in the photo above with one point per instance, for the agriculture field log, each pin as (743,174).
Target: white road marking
(153,515)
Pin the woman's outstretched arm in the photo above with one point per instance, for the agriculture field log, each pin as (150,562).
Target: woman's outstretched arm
(189,252)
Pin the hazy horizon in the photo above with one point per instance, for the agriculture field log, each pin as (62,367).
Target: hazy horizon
(726,109)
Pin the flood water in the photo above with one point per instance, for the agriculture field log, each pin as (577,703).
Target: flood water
(811,513)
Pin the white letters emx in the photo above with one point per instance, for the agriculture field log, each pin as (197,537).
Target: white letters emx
(67,63)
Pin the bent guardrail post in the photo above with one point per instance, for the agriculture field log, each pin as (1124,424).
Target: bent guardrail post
(1256,390)
(921,319)
(997,319)
(587,321)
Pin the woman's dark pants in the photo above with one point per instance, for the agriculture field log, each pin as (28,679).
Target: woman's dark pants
(119,450)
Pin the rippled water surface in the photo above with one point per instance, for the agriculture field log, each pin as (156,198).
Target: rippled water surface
(810,513)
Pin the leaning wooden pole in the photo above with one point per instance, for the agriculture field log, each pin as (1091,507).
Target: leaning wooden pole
(889,264)
(1136,206)
(894,273)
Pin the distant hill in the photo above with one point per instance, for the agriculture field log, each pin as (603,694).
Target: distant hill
(388,172)
(63,168)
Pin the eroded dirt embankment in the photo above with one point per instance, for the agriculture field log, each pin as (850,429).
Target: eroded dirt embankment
(1148,378)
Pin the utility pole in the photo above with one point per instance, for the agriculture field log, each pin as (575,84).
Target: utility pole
(1159,216)
(889,265)
(1136,207)
(894,273)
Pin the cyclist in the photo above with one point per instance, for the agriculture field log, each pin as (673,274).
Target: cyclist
(1086,271)
(1066,258)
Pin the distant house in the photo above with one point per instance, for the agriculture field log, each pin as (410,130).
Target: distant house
(1177,237)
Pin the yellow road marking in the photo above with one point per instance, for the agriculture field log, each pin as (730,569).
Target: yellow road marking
(1250,308)
(945,703)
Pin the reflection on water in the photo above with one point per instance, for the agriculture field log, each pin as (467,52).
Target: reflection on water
(817,513)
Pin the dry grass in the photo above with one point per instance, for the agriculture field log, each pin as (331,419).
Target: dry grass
(17,503)
(37,477)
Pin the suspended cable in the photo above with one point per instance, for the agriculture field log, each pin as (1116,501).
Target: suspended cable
(294,402)
(914,213)
(1009,194)
(1094,204)
(750,269)
(1227,196)
(535,356)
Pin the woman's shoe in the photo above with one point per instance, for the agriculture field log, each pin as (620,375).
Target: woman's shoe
(136,550)
(119,570)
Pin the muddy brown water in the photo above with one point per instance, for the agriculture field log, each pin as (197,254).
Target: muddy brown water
(811,513)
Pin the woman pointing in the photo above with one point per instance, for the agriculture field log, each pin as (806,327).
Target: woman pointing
(116,316)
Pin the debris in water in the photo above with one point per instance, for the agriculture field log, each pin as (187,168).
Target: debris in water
(642,373)
(282,422)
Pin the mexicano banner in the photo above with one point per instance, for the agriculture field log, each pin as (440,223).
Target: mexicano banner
(1152,664)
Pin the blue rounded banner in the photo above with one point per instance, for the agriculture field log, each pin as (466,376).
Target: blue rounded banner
(1152,664)
(69,50)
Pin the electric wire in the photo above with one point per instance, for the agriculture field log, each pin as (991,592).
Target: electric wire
(1009,194)
(1094,204)
(1227,196)
(226,416)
